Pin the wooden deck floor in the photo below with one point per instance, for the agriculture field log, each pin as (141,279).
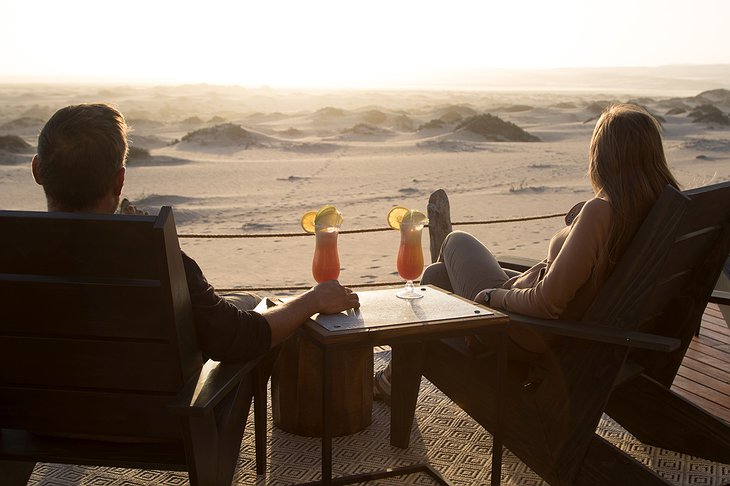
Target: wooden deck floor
(704,377)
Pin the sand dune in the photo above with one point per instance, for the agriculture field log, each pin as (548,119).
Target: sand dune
(14,150)
(23,125)
(225,135)
(237,160)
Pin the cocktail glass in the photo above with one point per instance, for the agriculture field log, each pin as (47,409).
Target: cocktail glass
(410,258)
(326,261)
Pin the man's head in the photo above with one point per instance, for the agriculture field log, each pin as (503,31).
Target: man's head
(82,150)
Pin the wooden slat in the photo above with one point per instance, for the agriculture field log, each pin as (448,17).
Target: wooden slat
(714,387)
(714,334)
(90,364)
(708,405)
(53,308)
(704,377)
(80,412)
(716,325)
(715,372)
(24,446)
(713,311)
(707,350)
(719,330)
(61,245)
(712,202)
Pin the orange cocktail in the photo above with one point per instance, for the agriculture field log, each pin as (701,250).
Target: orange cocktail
(325,225)
(410,222)
(410,253)
(326,261)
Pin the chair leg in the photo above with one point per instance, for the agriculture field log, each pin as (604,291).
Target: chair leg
(605,465)
(213,441)
(16,473)
(202,450)
(657,416)
(406,380)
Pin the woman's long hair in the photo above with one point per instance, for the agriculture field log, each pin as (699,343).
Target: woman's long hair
(627,166)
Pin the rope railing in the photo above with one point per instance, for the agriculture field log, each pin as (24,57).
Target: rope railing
(363,230)
(307,287)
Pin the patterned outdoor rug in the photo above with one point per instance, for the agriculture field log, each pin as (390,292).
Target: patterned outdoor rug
(443,436)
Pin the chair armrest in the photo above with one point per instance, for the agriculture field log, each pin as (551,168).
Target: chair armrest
(210,385)
(204,390)
(597,333)
(720,297)
(517,263)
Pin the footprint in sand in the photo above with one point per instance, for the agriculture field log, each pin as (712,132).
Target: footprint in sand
(297,181)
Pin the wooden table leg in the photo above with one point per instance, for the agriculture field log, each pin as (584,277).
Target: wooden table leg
(326,416)
(407,363)
(497,437)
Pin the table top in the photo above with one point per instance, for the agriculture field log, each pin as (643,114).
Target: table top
(383,318)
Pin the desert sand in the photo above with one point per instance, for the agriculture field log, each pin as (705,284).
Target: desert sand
(232,160)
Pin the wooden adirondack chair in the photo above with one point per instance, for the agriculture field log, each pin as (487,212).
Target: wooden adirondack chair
(621,357)
(98,342)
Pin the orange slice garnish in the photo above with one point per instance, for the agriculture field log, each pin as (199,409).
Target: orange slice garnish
(307,221)
(395,216)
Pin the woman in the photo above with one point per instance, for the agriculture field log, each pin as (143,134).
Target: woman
(628,170)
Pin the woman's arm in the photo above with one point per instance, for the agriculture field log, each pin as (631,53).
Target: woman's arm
(570,270)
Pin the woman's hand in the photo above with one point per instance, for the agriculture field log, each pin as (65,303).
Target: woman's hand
(481,297)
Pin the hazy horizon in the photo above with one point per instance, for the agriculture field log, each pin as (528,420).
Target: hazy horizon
(328,44)
(669,80)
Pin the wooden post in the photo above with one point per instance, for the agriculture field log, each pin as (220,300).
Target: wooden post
(439,221)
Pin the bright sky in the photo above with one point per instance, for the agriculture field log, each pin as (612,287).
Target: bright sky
(311,43)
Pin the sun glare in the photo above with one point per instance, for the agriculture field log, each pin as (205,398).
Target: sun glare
(334,43)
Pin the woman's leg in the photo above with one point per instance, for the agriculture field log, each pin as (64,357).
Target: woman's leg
(470,266)
(436,274)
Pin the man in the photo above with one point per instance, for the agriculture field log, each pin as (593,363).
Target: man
(80,163)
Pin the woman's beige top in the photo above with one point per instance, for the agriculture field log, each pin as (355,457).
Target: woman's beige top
(565,284)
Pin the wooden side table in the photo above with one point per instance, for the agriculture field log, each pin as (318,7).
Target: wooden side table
(404,325)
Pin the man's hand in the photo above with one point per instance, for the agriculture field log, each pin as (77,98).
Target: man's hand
(325,298)
(127,208)
(331,298)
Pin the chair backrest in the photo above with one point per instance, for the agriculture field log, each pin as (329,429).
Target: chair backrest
(664,279)
(96,326)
